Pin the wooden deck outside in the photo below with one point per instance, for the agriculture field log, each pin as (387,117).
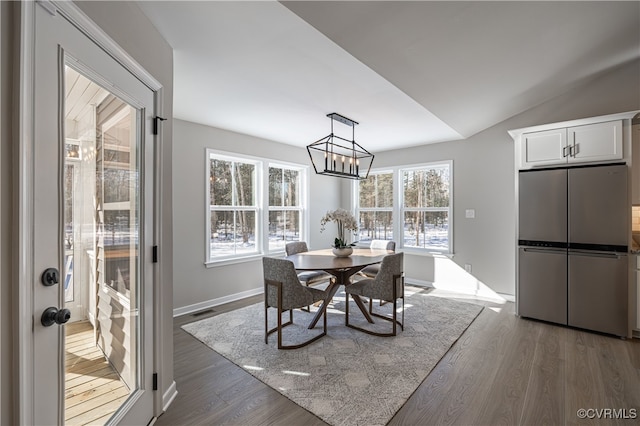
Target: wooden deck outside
(93,390)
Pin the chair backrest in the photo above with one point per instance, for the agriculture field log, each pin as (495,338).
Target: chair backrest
(295,247)
(383,245)
(294,294)
(392,266)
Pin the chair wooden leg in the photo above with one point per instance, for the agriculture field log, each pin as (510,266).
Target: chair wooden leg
(266,322)
(280,325)
(346,310)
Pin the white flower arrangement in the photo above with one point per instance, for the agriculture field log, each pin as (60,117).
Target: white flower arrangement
(345,221)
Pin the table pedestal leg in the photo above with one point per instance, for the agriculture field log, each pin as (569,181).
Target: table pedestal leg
(342,278)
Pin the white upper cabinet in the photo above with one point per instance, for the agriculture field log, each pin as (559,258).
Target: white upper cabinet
(543,148)
(588,143)
(595,142)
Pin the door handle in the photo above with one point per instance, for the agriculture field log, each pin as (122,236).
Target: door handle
(52,316)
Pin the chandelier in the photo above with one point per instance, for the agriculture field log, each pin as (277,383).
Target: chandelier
(336,156)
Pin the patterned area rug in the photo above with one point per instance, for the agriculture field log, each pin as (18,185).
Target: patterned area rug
(347,377)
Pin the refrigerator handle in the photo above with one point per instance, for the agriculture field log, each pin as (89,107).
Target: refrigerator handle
(544,250)
(611,255)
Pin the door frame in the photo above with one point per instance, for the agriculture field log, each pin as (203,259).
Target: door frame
(24,206)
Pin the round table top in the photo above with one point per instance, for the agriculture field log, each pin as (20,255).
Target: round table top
(325,260)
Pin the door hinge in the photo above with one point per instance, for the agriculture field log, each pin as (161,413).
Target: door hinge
(155,381)
(154,255)
(155,123)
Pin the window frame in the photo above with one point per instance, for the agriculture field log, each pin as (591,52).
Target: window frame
(399,208)
(256,207)
(302,202)
(261,205)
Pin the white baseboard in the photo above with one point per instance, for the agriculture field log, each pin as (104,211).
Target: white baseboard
(423,283)
(169,396)
(419,283)
(508,297)
(216,302)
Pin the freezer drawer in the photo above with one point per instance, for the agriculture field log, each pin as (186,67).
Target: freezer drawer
(598,292)
(542,284)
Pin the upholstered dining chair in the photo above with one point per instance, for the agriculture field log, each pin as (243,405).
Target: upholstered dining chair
(307,277)
(284,291)
(372,270)
(387,286)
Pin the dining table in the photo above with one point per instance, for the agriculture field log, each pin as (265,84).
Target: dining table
(342,268)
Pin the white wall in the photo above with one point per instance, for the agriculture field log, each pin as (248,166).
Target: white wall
(484,180)
(195,285)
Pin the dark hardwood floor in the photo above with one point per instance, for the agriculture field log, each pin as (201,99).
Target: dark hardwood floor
(503,370)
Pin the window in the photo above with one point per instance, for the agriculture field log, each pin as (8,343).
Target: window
(417,218)
(253,206)
(375,213)
(233,206)
(285,207)
(425,209)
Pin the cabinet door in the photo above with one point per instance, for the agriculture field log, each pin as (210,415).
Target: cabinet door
(638,300)
(635,163)
(598,292)
(637,270)
(595,142)
(543,148)
(542,284)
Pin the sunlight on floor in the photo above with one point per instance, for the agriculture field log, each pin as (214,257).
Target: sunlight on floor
(450,279)
(295,373)
(252,367)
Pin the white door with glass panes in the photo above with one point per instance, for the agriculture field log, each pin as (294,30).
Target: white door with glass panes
(93,162)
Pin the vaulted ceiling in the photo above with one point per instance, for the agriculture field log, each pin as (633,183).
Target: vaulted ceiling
(410,72)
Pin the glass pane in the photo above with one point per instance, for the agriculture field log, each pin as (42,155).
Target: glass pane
(101,241)
(220,182)
(117,185)
(245,240)
(244,174)
(367,194)
(291,187)
(222,233)
(426,188)
(276,229)
(375,226)
(275,186)
(384,190)
(69,181)
(426,230)
(377,191)
(232,232)
(284,226)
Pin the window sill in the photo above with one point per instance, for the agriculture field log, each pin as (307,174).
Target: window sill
(232,261)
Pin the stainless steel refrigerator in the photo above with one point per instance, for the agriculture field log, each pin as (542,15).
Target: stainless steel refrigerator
(572,254)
